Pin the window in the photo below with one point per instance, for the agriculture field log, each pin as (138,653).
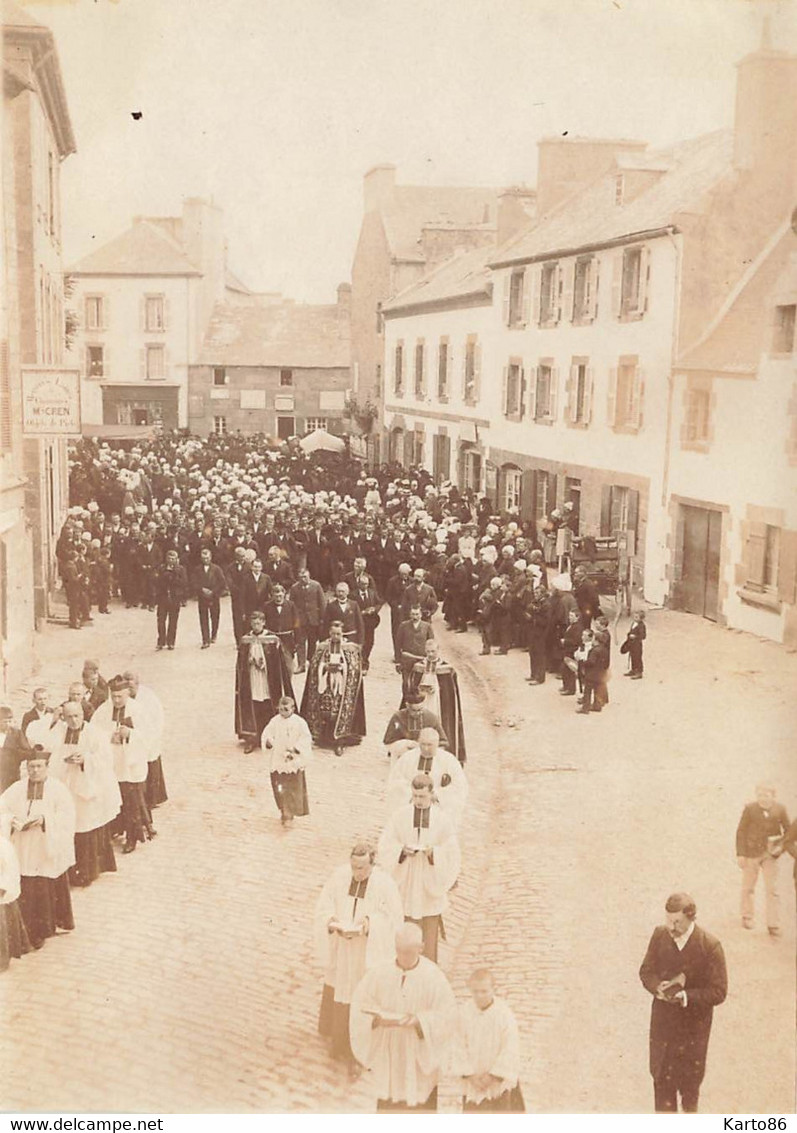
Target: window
(517,291)
(472,365)
(155,363)
(542,393)
(632,267)
(441,457)
(619,510)
(698,414)
(154,314)
(220,426)
(95,362)
(585,289)
(512,480)
(220,376)
(419,447)
(398,369)
(579,393)
(95,312)
(420,381)
(783,338)
(513,390)
(549,294)
(442,370)
(314,423)
(762,557)
(626,392)
(544,494)
(286,377)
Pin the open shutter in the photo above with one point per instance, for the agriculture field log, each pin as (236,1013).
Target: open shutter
(606,510)
(593,284)
(477,371)
(756,553)
(142,313)
(142,356)
(166,312)
(567,269)
(166,361)
(787,567)
(528,494)
(644,280)
(552,484)
(534,295)
(533,374)
(617,283)
(558,291)
(505,392)
(570,394)
(105,315)
(522,392)
(507,290)
(589,389)
(553,398)
(611,401)
(633,514)
(106,364)
(635,408)
(465,371)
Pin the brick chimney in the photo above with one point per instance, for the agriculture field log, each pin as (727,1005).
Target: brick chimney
(569,164)
(765,125)
(378,186)
(517,207)
(344,299)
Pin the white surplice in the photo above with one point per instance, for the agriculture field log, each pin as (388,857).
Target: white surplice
(9,872)
(38,730)
(152,708)
(286,736)
(344,961)
(423,885)
(405,1066)
(129,757)
(452,797)
(94,786)
(47,852)
(486,1042)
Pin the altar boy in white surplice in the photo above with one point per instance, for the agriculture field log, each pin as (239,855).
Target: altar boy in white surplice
(486,1054)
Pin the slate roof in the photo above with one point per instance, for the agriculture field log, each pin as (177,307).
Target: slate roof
(145,248)
(590,217)
(463,276)
(297,335)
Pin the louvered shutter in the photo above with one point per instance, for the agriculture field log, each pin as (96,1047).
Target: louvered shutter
(617,283)
(142,355)
(477,371)
(507,293)
(105,312)
(521,392)
(533,375)
(633,514)
(505,392)
(553,396)
(142,313)
(644,280)
(606,510)
(756,553)
(571,395)
(166,313)
(528,494)
(568,269)
(611,401)
(534,295)
(787,567)
(635,408)
(594,287)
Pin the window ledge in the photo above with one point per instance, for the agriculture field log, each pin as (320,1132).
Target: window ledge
(696,446)
(442,398)
(630,316)
(577,424)
(631,430)
(516,326)
(547,324)
(583,321)
(543,420)
(761,598)
(471,402)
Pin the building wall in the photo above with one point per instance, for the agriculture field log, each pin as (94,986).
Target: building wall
(124,338)
(315,393)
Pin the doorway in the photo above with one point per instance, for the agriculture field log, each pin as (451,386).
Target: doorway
(286,427)
(700,539)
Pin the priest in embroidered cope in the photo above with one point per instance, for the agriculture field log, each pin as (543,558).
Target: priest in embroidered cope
(333,703)
(402,1013)
(420,849)
(356,918)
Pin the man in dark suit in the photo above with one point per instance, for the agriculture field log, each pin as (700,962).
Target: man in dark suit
(684,970)
(343,609)
(759,843)
(419,593)
(282,621)
(308,597)
(362,589)
(278,568)
(171,589)
(411,645)
(209,584)
(148,561)
(14,748)
(394,593)
(237,575)
(39,710)
(256,589)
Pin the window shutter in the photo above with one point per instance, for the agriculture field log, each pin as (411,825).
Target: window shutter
(522,392)
(617,283)
(505,392)
(644,280)
(637,393)
(633,513)
(142,354)
(593,284)
(551,491)
(166,313)
(756,553)
(507,290)
(611,404)
(589,388)
(534,295)
(106,365)
(465,370)
(553,395)
(533,375)
(570,395)
(142,312)
(559,292)
(606,510)
(787,567)
(105,320)
(568,270)
(477,371)
(528,494)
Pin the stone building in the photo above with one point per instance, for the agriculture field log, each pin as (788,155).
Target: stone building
(273,366)
(36,137)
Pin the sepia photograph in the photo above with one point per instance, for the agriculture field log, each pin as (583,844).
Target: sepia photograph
(387,389)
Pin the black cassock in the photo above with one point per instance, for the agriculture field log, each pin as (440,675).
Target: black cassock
(279,684)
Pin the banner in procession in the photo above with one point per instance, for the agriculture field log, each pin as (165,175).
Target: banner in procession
(50,402)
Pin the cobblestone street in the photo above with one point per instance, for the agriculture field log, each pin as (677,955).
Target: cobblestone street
(189,985)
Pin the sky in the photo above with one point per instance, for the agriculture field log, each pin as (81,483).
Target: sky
(276,108)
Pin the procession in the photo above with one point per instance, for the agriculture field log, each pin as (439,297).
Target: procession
(295,583)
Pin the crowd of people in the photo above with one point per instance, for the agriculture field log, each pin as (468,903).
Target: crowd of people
(312,552)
